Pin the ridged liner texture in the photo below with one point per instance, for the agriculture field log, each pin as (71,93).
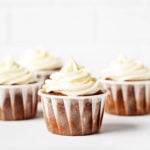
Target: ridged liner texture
(73,115)
(128,98)
(18,102)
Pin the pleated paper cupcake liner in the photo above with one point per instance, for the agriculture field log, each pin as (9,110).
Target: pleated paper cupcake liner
(128,98)
(18,102)
(80,115)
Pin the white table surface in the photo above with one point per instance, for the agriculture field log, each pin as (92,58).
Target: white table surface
(117,133)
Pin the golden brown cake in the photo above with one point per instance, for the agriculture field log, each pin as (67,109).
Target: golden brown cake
(18,92)
(129,98)
(73,101)
(129,84)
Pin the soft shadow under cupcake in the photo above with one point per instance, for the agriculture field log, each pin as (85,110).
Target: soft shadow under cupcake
(118,127)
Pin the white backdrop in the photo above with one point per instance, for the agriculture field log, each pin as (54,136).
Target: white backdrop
(92,31)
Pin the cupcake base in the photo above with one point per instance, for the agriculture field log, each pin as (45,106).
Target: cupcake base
(129,98)
(18,102)
(73,116)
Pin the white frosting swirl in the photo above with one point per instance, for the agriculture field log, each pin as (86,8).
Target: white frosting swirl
(125,69)
(40,60)
(72,80)
(13,73)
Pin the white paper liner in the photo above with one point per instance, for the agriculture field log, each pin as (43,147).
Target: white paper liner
(73,115)
(18,102)
(128,98)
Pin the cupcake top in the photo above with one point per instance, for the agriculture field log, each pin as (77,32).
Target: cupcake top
(40,60)
(11,73)
(72,80)
(125,69)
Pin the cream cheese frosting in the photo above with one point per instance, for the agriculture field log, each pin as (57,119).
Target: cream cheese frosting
(74,80)
(125,69)
(11,73)
(41,60)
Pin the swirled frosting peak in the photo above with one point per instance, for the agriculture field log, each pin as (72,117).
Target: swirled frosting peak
(125,69)
(41,60)
(12,73)
(72,79)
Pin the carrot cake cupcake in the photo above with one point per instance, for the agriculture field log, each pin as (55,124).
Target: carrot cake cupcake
(18,92)
(42,63)
(128,81)
(73,101)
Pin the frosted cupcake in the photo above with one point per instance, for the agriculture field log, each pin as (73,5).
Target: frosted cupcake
(128,81)
(73,101)
(18,92)
(42,63)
